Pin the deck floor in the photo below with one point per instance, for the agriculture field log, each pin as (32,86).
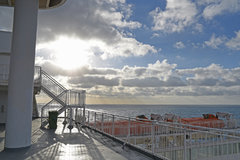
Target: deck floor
(81,144)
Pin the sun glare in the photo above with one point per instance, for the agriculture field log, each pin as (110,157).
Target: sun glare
(71,53)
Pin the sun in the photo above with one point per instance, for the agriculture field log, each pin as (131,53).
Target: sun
(71,53)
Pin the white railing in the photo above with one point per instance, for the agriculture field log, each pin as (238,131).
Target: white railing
(174,141)
(4,74)
(37,76)
(71,99)
(63,100)
(4,71)
(76,98)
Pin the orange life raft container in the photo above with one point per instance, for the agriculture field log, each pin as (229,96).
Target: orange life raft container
(208,120)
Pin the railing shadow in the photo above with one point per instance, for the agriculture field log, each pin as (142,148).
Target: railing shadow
(50,145)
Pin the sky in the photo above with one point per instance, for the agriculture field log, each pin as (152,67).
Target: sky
(142,51)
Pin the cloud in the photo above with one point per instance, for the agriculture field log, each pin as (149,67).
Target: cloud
(234,43)
(159,78)
(126,47)
(155,35)
(218,7)
(179,45)
(117,19)
(86,19)
(162,70)
(91,81)
(198,27)
(102,21)
(177,15)
(55,70)
(91,21)
(215,42)
(153,82)
(213,75)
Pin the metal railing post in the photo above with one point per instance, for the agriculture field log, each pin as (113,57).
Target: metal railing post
(129,129)
(95,116)
(88,117)
(76,112)
(65,117)
(71,115)
(185,145)
(102,122)
(40,76)
(71,119)
(113,125)
(78,103)
(41,117)
(153,135)
(84,116)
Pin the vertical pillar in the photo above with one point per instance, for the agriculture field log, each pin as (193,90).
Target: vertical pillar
(20,89)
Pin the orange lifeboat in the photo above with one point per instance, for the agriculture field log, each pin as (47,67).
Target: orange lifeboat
(141,126)
(208,120)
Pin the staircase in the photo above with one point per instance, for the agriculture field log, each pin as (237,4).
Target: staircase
(62,99)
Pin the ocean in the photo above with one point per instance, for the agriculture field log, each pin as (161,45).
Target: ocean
(180,110)
(147,110)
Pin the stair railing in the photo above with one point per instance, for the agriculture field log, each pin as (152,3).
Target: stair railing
(51,84)
(47,107)
(67,99)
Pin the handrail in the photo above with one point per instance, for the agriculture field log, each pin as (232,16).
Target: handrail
(73,99)
(53,80)
(53,100)
(55,90)
(55,97)
(51,87)
(4,74)
(4,71)
(174,140)
(175,124)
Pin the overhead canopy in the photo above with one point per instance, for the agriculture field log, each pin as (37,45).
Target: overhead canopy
(43,4)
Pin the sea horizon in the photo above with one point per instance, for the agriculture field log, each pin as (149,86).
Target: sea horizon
(132,110)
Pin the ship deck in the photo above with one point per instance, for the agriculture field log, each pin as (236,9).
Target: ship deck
(81,143)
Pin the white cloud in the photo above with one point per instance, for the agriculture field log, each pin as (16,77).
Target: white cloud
(179,45)
(117,19)
(91,81)
(215,42)
(126,47)
(219,7)
(103,22)
(177,15)
(155,35)
(198,27)
(92,19)
(159,78)
(234,43)
(213,75)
